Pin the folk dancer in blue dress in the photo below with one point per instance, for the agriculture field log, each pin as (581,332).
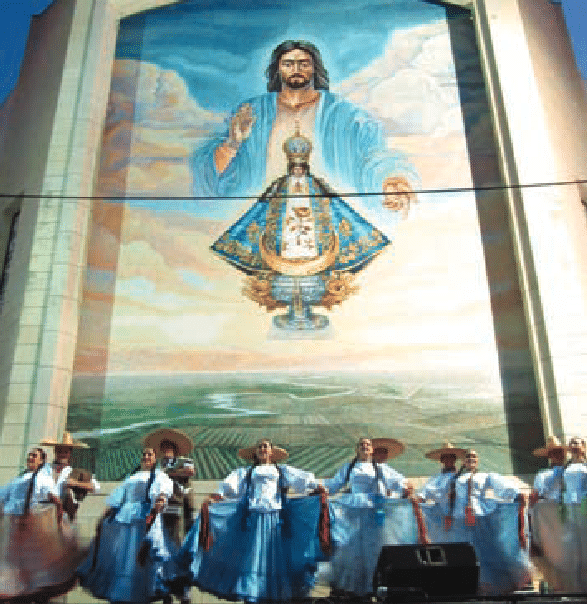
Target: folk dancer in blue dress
(370,516)
(37,558)
(73,484)
(253,543)
(576,472)
(173,448)
(559,515)
(461,511)
(447,455)
(548,482)
(130,559)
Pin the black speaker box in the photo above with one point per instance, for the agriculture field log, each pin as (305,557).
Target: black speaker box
(441,569)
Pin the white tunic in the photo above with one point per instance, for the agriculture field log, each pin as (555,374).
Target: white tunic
(299,235)
(363,479)
(61,478)
(263,490)
(131,496)
(13,495)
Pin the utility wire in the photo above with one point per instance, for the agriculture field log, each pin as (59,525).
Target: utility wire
(328,194)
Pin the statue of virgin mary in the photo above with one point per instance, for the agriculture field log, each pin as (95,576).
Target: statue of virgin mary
(300,245)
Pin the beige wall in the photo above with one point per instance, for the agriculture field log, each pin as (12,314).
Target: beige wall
(541,137)
(565,105)
(55,123)
(27,135)
(51,144)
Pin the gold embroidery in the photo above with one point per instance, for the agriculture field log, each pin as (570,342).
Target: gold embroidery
(253,231)
(345,228)
(258,289)
(338,288)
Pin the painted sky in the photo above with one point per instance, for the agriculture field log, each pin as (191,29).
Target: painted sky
(16,17)
(222,55)
(175,306)
(178,307)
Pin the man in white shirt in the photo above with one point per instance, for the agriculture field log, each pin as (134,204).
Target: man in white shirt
(72,484)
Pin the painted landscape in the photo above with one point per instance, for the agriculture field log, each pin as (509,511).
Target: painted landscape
(317,417)
(427,343)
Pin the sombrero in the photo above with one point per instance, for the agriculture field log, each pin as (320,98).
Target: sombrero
(386,448)
(552,444)
(66,441)
(182,441)
(277,453)
(446,449)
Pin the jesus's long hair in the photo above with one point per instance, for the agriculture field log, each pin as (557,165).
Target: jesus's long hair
(321,81)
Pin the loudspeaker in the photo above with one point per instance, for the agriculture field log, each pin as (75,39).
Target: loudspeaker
(441,569)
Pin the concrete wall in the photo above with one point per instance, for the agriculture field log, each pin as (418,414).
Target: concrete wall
(28,135)
(538,104)
(56,118)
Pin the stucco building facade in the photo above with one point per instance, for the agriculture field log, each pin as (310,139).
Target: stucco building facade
(50,153)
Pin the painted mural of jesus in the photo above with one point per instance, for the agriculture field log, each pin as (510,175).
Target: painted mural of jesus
(349,143)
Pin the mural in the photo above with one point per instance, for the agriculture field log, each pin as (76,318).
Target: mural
(291,243)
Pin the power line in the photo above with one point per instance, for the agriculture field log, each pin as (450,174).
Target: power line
(329,194)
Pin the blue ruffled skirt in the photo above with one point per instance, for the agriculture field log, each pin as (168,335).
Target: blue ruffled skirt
(255,556)
(504,565)
(116,575)
(361,524)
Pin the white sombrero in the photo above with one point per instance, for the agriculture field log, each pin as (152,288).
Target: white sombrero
(277,453)
(446,449)
(181,440)
(66,441)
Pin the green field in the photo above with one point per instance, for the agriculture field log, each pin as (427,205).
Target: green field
(317,417)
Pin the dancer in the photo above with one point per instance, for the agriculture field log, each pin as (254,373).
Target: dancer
(548,482)
(37,557)
(129,560)
(575,475)
(172,448)
(366,519)
(567,482)
(462,511)
(558,515)
(253,543)
(72,484)
(447,455)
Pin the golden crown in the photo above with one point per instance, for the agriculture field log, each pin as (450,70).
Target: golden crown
(297,148)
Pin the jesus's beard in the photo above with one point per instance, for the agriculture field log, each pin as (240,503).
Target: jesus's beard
(297,82)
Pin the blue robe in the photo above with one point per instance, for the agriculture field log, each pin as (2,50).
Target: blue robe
(358,240)
(349,144)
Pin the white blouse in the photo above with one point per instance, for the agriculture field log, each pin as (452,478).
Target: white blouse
(61,478)
(264,486)
(131,496)
(439,483)
(503,489)
(13,495)
(363,479)
(548,483)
